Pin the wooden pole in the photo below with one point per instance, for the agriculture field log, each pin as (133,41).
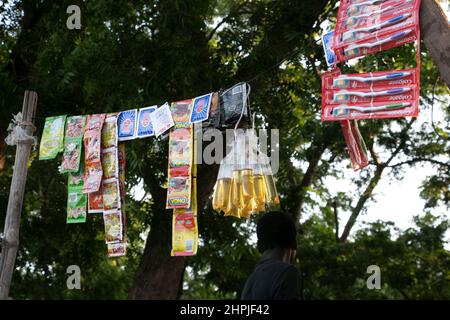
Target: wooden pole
(10,241)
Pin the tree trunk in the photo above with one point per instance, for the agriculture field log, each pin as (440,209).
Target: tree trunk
(435,32)
(21,58)
(159,275)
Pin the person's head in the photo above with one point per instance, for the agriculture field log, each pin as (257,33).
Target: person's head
(276,231)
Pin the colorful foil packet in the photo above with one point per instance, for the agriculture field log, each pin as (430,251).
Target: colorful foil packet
(184,223)
(92,158)
(180,111)
(184,234)
(73,143)
(327,39)
(178,192)
(162,120)
(95,202)
(110,194)
(109,132)
(200,108)
(180,157)
(76,200)
(180,148)
(119,249)
(109,148)
(52,141)
(213,120)
(92,177)
(145,128)
(127,124)
(109,163)
(113,226)
(75,127)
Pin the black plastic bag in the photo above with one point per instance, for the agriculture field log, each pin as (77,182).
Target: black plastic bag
(233,106)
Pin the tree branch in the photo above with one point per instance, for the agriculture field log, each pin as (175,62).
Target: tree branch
(213,31)
(374,181)
(317,75)
(276,45)
(420,159)
(374,155)
(336,221)
(306,182)
(402,143)
(361,202)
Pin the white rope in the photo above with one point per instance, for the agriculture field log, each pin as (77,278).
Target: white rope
(245,103)
(17,134)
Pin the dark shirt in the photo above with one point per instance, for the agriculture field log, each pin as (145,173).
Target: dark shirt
(272,280)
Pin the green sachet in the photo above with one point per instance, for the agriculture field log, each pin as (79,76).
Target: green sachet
(76,199)
(52,141)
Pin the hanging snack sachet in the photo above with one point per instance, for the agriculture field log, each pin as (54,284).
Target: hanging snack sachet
(92,154)
(73,143)
(52,141)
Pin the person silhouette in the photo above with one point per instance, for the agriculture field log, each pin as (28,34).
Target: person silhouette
(274,277)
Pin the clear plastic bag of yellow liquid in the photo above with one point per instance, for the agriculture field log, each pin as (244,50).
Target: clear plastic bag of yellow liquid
(245,183)
(244,160)
(222,194)
(271,194)
(222,190)
(260,189)
(237,197)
